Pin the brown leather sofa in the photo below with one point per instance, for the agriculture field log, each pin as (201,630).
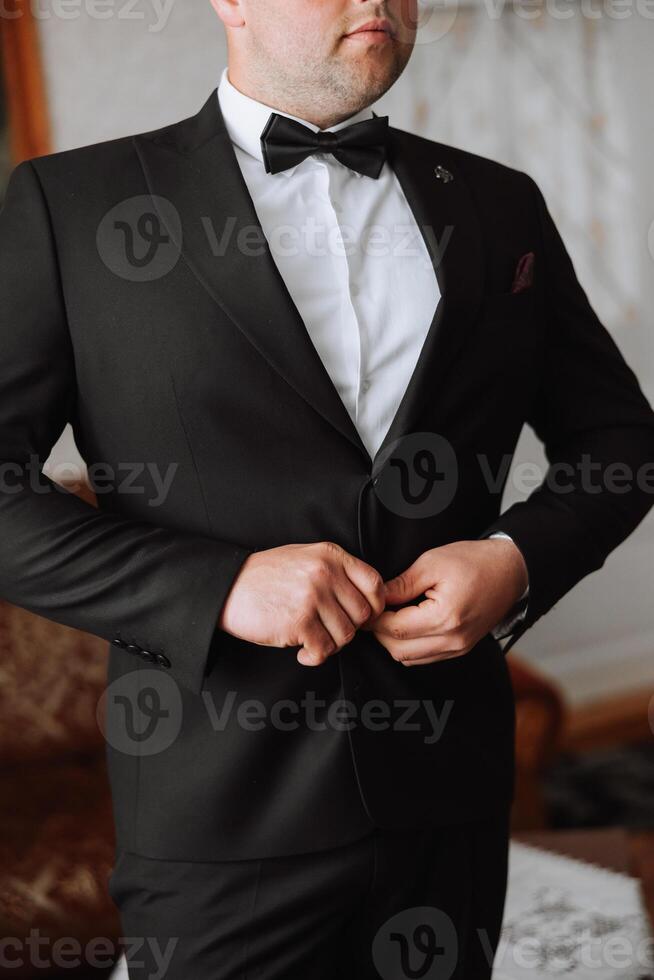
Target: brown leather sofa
(56,828)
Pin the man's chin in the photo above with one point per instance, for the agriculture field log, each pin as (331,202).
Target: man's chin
(372,79)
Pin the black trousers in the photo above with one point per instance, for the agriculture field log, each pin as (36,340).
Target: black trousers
(397,905)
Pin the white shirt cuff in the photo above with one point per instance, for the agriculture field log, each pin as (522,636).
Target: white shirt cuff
(517,614)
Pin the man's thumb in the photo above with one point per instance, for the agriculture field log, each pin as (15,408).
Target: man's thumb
(402,588)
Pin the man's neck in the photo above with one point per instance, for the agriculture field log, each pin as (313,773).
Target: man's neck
(323,118)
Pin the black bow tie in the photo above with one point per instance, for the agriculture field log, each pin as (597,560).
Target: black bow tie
(360,146)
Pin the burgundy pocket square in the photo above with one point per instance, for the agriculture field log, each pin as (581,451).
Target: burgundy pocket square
(524,273)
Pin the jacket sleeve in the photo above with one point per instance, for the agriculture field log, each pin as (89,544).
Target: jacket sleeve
(597,428)
(153,589)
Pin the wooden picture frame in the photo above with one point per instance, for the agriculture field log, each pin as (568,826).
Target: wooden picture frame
(24,88)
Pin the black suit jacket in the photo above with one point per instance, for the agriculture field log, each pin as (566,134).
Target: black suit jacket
(194,356)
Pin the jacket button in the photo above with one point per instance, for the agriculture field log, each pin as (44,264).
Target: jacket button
(132,648)
(118,642)
(146,655)
(162,660)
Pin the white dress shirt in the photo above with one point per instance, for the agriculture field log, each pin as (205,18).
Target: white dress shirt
(353,260)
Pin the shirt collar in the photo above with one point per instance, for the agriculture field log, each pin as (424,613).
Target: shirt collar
(245,119)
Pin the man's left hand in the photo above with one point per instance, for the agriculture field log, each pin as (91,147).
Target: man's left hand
(468,588)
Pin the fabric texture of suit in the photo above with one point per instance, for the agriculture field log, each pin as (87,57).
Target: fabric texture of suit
(206,365)
(394,904)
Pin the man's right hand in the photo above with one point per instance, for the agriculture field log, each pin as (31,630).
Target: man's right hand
(315,596)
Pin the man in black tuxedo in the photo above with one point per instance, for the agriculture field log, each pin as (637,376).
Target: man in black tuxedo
(309,714)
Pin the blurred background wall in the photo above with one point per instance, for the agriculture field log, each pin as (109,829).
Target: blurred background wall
(563,92)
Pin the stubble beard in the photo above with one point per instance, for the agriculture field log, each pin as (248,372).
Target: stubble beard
(331,87)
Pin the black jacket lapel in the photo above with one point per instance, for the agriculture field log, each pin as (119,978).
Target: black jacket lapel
(192,165)
(444,210)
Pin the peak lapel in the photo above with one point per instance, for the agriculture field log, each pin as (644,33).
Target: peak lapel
(444,210)
(192,165)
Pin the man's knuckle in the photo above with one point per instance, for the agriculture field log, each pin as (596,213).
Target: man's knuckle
(362,612)
(348,635)
(303,624)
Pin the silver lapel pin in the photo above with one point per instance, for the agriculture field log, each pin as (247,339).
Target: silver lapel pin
(442,174)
